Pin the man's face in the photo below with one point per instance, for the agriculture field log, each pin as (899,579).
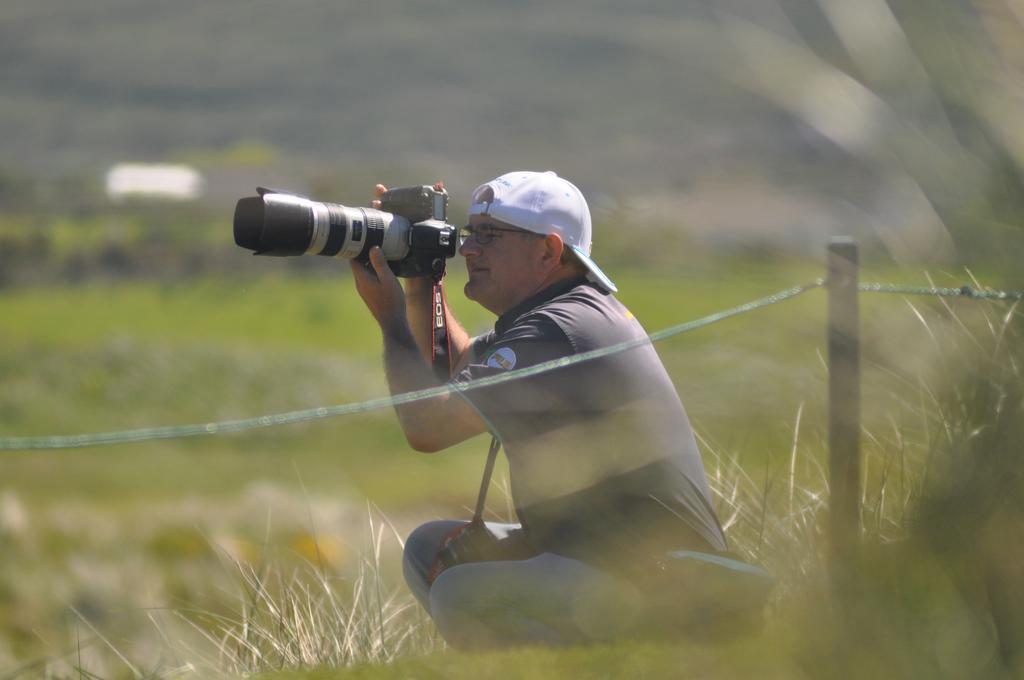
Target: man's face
(504,271)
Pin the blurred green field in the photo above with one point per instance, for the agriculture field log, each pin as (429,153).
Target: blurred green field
(106,357)
(156,526)
(112,356)
(118,356)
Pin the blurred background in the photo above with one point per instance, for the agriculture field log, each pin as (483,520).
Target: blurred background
(720,143)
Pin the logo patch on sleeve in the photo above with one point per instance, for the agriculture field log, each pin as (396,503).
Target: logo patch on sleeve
(503,357)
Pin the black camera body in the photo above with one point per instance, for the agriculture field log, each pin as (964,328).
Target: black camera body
(410,228)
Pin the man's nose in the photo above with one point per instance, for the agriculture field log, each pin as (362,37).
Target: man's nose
(469,247)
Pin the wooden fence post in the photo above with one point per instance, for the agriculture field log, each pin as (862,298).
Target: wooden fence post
(844,405)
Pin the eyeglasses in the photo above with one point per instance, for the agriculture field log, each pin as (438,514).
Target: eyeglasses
(485,233)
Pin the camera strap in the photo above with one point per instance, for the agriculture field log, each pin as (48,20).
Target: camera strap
(473,541)
(481,498)
(441,360)
(441,351)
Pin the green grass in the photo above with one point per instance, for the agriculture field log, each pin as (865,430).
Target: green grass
(625,660)
(106,357)
(173,521)
(319,316)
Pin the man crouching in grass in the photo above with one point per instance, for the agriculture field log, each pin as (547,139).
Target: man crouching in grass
(617,535)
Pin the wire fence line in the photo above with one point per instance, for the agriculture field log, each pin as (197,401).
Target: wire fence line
(969,292)
(245,424)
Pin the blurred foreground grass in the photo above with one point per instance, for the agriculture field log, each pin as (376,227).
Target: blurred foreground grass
(624,660)
(141,550)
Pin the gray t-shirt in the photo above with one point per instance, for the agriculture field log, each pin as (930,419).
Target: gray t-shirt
(603,462)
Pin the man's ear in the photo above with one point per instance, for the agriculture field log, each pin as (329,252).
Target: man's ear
(553,249)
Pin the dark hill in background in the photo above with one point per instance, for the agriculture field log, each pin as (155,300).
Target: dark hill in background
(740,120)
(603,91)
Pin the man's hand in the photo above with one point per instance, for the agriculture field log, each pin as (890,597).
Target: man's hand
(380,290)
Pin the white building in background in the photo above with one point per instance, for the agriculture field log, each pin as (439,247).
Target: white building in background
(163,181)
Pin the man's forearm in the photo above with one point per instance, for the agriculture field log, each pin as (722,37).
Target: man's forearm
(404,364)
(430,424)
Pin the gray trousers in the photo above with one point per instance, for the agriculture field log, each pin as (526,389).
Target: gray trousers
(544,599)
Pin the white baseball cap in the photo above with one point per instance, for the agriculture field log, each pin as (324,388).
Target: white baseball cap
(544,203)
